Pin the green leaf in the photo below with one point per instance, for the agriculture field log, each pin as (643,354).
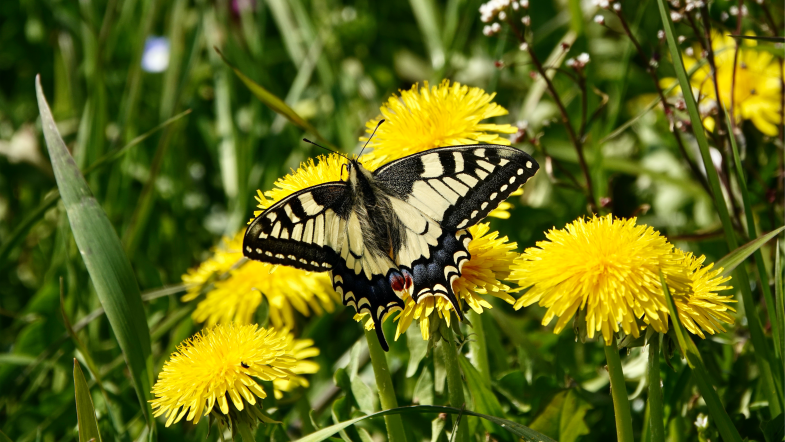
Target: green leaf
(484,399)
(4,438)
(513,427)
(85,411)
(563,417)
(423,389)
(730,261)
(106,262)
(779,302)
(774,430)
(275,103)
(700,375)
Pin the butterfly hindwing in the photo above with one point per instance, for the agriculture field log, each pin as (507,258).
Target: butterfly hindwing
(458,186)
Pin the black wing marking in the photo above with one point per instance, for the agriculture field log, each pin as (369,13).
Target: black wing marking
(434,274)
(296,230)
(317,229)
(458,186)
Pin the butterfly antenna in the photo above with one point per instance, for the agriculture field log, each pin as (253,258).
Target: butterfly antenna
(328,150)
(369,138)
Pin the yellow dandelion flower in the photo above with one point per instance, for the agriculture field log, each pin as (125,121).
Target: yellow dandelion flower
(302,350)
(695,295)
(490,264)
(236,297)
(608,267)
(423,118)
(426,117)
(757,88)
(217,367)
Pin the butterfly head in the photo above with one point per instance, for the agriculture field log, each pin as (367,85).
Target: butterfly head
(357,174)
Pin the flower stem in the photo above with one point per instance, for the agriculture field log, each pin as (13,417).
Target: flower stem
(454,381)
(479,346)
(656,425)
(384,384)
(245,431)
(621,404)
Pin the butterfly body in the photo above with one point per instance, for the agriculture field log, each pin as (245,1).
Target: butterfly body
(400,228)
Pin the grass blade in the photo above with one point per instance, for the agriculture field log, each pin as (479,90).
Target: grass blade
(759,343)
(275,103)
(85,411)
(779,301)
(732,260)
(513,427)
(484,399)
(106,262)
(724,424)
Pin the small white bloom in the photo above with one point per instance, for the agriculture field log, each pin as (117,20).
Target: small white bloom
(702,422)
(156,54)
(734,10)
(676,16)
(689,51)
(724,16)
(661,34)
(524,4)
(496,27)
(524,46)
(515,5)
(599,19)
(526,20)
(681,39)
(617,6)
(584,58)
(570,62)
(502,16)
(487,31)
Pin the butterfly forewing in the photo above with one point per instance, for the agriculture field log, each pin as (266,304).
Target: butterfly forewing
(458,186)
(301,230)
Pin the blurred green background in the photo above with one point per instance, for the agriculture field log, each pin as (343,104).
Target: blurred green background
(173,195)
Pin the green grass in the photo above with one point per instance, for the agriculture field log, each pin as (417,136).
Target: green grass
(144,172)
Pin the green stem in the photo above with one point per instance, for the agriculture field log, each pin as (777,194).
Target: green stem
(395,431)
(245,431)
(454,380)
(656,425)
(621,404)
(479,347)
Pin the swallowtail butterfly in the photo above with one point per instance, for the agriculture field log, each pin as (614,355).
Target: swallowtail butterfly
(401,227)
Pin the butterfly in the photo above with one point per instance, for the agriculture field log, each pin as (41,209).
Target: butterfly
(403,227)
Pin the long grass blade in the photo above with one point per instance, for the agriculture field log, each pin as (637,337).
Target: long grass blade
(732,260)
(513,427)
(724,424)
(759,343)
(275,103)
(85,411)
(106,262)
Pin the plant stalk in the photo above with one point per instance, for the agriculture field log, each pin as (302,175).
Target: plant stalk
(384,383)
(656,421)
(479,347)
(454,380)
(621,404)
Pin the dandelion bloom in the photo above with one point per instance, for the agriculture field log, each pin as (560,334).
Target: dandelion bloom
(490,263)
(220,363)
(757,88)
(694,291)
(608,267)
(426,117)
(238,286)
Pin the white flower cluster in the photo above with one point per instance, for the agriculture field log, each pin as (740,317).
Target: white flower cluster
(494,8)
(491,29)
(578,62)
(694,4)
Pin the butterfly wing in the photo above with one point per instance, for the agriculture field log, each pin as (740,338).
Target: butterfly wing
(317,229)
(438,194)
